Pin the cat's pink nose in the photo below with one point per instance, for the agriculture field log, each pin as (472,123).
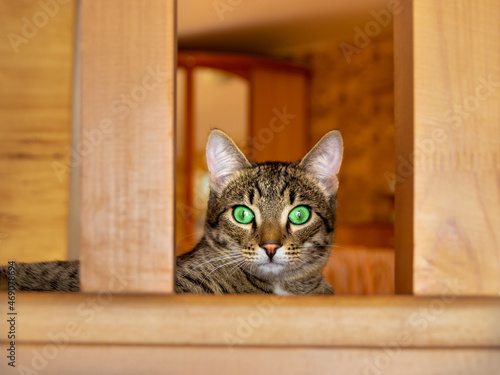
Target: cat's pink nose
(270,248)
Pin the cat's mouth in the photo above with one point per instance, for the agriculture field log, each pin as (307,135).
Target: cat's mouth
(273,265)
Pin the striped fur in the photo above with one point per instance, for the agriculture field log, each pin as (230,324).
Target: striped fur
(58,276)
(230,258)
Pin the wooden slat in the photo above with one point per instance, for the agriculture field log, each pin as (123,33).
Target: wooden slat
(403,118)
(127,206)
(451,110)
(263,321)
(265,361)
(35,127)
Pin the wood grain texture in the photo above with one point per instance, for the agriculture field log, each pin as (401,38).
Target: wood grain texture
(374,322)
(127,201)
(404,139)
(279,115)
(456,146)
(356,270)
(35,121)
(120,360)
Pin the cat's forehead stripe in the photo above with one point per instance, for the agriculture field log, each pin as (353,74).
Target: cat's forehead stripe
(251,194)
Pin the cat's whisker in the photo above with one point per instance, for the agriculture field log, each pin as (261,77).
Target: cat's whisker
(341,247)
(194,234)
(303,259)
(223,257)
(304,262)
(222,265)
(237,266)
(313,246)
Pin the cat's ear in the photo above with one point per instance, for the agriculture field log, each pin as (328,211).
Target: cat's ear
(323,161)
(224,158)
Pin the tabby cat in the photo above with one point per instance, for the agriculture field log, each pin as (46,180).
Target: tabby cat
(269,227)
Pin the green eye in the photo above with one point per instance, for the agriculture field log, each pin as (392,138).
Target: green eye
(243,214)
(299,215)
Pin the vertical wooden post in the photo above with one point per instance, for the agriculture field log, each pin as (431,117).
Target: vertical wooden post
(127,145)
(403,117)
(448,130)
(189,156)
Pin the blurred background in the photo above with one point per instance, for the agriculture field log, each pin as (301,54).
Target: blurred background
(275,75)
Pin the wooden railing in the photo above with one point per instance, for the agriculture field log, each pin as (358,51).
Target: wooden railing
(447,222)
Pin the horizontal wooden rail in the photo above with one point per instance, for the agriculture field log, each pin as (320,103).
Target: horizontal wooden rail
(119,360)
(246,321)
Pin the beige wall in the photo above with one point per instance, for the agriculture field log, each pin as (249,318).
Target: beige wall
(35,101)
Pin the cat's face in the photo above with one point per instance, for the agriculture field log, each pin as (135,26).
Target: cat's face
(276,220)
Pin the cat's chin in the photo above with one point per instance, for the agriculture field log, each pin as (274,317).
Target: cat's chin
(270,270)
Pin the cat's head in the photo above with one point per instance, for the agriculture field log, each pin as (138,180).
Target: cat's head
(276,218)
